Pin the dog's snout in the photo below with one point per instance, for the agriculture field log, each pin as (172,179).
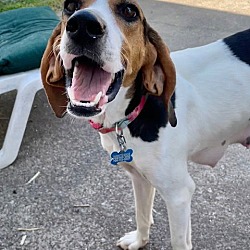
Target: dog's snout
(85,25)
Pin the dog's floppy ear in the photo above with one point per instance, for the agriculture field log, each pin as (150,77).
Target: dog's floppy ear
(53,75)
(159,76)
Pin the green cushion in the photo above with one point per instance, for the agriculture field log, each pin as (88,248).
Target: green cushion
(23,37)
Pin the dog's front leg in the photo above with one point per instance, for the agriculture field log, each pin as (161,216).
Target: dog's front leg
(177,192)
(144,194)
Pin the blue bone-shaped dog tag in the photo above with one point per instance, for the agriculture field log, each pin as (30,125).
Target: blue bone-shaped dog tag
(122,156)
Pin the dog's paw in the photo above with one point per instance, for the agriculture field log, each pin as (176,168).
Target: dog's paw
(132,241)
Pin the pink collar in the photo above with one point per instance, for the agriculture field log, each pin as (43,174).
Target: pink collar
(122,123)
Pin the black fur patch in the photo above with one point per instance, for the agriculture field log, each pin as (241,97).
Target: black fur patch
(173,100)
(239,44)
(153,116)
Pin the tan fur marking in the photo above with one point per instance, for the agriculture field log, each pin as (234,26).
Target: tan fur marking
(52,73)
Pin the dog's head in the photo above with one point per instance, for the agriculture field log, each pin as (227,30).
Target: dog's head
(98,48)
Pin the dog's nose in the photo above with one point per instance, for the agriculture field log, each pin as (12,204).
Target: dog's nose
(85,25)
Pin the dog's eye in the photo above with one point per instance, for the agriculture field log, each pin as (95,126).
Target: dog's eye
(71,6)
(129,12)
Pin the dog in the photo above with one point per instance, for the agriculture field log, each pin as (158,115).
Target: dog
(154,111)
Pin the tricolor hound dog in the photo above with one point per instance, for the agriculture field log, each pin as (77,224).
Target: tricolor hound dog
(118,74)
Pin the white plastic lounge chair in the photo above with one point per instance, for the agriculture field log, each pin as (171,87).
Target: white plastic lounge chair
(24,34)
(27,84)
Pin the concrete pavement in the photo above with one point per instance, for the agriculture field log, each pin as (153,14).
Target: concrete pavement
(80,201)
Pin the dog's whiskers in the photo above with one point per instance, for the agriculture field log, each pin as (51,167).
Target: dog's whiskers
(73,120)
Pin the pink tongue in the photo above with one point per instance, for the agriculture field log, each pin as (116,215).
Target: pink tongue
(88,81)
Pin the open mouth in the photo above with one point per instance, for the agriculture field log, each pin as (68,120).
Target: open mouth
(89,87)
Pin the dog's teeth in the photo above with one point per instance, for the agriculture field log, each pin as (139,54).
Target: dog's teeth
(75,102)
(88,104)
(76,64)
(97,98)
